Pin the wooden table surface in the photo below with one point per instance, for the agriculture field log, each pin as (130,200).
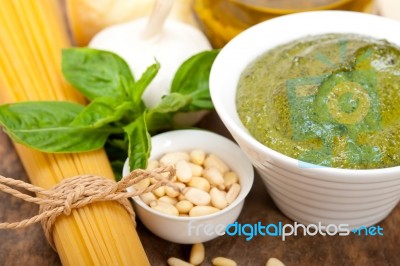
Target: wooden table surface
(29,247)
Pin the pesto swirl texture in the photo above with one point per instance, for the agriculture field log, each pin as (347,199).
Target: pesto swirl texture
(331,100)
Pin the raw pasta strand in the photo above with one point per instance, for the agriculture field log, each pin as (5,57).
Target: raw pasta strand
(34,44)
(14,37)
(7,82)
(32,35)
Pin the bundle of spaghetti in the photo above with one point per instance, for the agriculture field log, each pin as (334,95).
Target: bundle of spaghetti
(32,34)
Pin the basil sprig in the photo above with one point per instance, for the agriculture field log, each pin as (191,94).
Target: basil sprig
(116,117)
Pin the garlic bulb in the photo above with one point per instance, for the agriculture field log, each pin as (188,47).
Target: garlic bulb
(142,41)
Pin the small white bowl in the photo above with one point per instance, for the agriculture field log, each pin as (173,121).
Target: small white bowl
(190,230)
(306,194)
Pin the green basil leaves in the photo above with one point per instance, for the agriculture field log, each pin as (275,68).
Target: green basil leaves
(96,73)
(116,117)
(46,126)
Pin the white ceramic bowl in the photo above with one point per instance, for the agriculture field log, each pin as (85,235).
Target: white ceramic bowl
(307,195)
(189,230)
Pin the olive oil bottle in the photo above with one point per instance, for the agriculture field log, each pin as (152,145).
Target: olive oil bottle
(224,19)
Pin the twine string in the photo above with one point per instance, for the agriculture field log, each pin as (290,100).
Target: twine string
(79,191)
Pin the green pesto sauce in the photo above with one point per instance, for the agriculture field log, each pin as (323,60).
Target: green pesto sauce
(331,100)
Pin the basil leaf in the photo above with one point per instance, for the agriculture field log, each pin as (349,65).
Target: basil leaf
(157,122)
(97,73)
(116,151)
(45,126)
(160,117)
(140,86)
(192,79)
(117,167)
(139,143)
(172,102)
(102,111)
(201,99)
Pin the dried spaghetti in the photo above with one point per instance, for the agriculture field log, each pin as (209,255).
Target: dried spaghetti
(32,34)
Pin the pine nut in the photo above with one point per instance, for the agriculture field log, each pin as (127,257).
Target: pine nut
(152,164)
(142,184)
(171,192)
(206,184)
(274,262)
(184,206)
(218,199)
(221,187)
(213,160)
(232,193)
(200,183)
(197,170)
(202,210)
(164,207)
(221,261)
(177,262)
(159,192)
(173,157)
(181,197)
(197,157)
(148,197)
(183,171)
(197,254)
(196,196)
(230,178)
(214,176)
(180,185)
(169,200)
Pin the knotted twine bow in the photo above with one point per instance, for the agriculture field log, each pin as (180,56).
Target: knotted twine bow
(79,191)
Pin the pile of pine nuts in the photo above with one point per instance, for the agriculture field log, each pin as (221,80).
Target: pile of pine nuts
(206,185)
(197,257)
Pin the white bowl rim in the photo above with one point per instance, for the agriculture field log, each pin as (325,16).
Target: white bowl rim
(218,69)
(238,201)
